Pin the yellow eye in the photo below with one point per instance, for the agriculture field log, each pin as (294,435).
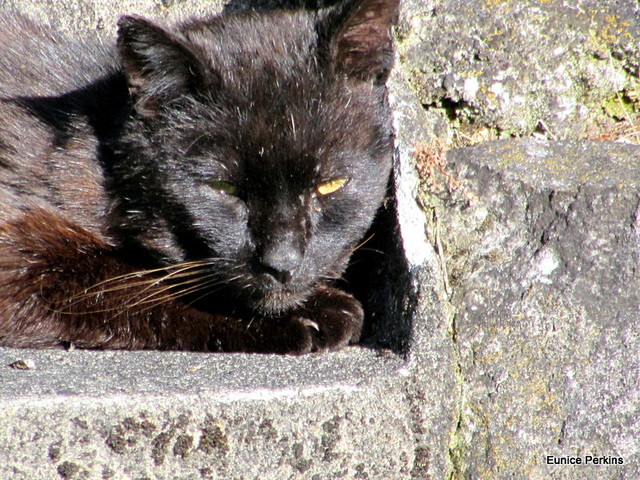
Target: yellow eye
(331,186)
(223,187)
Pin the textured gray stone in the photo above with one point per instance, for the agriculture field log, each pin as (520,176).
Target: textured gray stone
(85,414)
(543,275)
(82,18)
(561,68)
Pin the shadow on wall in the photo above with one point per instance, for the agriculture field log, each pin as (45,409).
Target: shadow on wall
(378,276)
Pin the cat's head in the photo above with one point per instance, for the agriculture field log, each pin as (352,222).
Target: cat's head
(260,141)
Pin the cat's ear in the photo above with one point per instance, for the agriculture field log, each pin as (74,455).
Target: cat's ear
(359,40)
(157,64)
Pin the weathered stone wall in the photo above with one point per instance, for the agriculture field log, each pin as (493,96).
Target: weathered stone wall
(509,292)
(561,68)
(538,244)
(542,270)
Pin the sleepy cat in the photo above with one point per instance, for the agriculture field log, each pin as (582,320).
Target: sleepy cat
(196,188)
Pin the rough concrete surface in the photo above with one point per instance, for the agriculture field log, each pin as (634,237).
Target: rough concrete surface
(563,68)
(542,268)
(504,317)
(82,17)
(192,416)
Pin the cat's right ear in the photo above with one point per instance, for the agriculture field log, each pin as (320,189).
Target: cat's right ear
(157,64)
(356,38)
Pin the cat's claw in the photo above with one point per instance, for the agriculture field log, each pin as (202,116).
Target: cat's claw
(337,321)
(310,323)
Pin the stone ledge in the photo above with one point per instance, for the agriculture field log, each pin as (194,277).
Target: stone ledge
(88,414)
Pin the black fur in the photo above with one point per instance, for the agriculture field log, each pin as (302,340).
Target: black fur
(200,187)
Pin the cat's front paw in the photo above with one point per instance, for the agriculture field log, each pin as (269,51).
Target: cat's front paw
(329,320)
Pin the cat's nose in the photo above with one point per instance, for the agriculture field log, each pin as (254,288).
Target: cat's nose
(280,260)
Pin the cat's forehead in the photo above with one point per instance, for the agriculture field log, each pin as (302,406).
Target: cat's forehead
(252,41)
(309,137)
(274,109)
(266,168)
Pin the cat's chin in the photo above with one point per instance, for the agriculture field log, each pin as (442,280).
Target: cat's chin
(278,302)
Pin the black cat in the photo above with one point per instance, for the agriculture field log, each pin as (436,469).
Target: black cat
(197,188)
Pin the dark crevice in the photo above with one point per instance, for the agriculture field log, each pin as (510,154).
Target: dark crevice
(379,277)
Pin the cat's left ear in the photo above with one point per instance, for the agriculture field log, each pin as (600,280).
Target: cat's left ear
(157,64)
(358,38)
